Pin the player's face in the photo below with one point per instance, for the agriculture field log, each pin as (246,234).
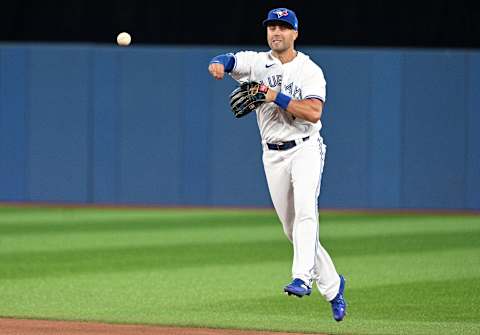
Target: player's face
(280,37)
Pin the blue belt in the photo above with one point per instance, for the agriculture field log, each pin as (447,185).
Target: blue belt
(285,145)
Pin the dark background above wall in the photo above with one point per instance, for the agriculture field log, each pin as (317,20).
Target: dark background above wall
(440,23)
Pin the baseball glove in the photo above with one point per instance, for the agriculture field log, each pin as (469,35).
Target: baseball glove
(247,97)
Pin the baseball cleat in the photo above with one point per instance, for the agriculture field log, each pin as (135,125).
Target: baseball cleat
(339,305)
(298,288)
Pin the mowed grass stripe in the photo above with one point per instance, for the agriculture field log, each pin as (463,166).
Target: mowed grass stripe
(85,215)
(417,299)
(183,244)
(104,260)
(34,221)
(191,253)
(238,245)
(126,224)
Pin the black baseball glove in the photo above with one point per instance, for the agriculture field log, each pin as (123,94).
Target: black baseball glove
(247,97)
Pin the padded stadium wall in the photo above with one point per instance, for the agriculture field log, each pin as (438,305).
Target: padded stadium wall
(147,125)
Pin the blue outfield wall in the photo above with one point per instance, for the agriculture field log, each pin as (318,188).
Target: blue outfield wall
(147,125)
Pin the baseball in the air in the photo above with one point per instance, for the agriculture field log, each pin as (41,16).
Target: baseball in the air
(124,39)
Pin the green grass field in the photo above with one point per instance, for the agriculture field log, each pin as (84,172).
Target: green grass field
(416,274)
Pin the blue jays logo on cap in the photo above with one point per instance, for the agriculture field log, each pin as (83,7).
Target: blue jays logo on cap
(281,13)
(284,15)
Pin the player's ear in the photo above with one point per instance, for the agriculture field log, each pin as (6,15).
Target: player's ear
(295,35)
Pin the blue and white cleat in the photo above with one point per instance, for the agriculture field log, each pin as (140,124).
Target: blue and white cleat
(298,288)
(339,305)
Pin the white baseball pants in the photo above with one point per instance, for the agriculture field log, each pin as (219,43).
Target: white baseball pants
(294,178)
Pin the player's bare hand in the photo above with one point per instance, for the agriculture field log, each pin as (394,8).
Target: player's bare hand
(216,70)
(270,95)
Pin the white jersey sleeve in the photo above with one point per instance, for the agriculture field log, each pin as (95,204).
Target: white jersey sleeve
(314,84)
(242,70)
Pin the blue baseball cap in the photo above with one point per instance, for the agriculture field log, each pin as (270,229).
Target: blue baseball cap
(283,15)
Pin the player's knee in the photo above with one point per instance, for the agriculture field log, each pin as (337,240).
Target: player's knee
(288,233)
(305,217)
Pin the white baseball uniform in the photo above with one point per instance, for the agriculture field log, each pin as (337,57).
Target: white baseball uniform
(293,175)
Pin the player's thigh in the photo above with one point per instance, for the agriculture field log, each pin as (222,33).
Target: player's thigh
(307,167)
(277,172)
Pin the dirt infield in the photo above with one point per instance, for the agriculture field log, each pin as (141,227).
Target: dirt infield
(46,327)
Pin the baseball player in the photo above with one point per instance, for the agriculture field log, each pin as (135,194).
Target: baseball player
(293,150)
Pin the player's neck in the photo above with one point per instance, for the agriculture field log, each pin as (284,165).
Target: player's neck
(286,56)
